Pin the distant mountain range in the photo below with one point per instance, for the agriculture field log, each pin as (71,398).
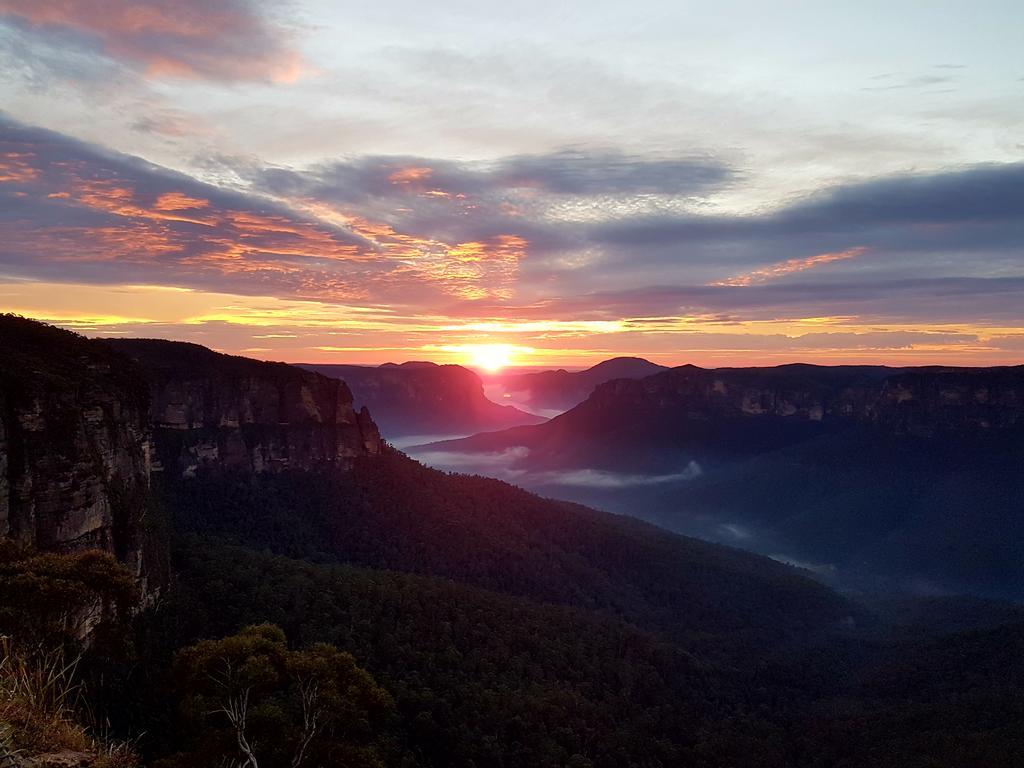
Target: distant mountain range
(560,390)
(423,398)
(911,476)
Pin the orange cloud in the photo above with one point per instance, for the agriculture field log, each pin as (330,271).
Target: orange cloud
(178,201)
(173,38)
(410,175)
(790,266)
(304,248)
(17,167)
(479,270)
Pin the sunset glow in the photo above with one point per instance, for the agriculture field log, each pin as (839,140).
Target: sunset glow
(489,357)
(573,229)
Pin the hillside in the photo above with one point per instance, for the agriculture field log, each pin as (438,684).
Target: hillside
(392,513)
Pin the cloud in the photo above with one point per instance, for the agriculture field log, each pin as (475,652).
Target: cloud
(470,251)
(735,531)
(508,465)
(75,209)
(598,478)
(170,123)
(874,298)
(498,464)
(790,266)
(565,172)
(229,40)
(989,194)
(915,82)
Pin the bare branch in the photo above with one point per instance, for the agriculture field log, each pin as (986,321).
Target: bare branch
(309,692)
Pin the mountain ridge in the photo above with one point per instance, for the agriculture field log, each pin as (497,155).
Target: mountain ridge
(559,390)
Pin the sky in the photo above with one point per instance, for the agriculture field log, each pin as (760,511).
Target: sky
(526,183)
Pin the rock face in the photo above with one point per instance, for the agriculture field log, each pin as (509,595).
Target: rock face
(84,424)
(915,400)
(74,443)
(217,412)
(638,424)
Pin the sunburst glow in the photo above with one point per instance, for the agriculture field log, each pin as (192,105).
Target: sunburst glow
(490,357)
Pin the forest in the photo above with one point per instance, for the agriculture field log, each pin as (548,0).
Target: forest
(579,653)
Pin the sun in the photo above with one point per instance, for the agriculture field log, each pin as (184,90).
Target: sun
(490,357)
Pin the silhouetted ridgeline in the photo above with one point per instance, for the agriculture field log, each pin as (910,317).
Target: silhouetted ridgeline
(561,389)
(915,400)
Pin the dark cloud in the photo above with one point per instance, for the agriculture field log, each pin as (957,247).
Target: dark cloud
(612,173)
(902,207)
(953,300)
(467,201)
(229,40)
(567,172)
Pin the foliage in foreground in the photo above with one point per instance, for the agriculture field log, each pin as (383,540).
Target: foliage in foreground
(253,702)
(48,604)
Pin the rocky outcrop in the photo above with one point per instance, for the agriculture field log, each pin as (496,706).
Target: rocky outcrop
(218,412)
(916,400)
(74,443)
(83,427)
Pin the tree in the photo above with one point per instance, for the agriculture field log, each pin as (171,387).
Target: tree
(252,702)
(50,599)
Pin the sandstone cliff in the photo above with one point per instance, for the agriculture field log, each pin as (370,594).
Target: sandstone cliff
(914,400)
(74,443)
(213,411)
(84,424)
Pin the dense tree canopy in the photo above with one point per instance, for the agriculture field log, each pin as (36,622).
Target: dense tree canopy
(251,699)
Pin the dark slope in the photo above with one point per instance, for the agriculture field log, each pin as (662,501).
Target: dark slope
(479,677)
(560,390)
(952,701)
(361,504)
(392,513)
(418,398)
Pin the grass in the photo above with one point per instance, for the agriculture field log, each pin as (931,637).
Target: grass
(40,706)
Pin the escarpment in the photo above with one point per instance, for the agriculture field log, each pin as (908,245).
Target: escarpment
(218,412)
(85,423)
(914,400)
(74,443)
